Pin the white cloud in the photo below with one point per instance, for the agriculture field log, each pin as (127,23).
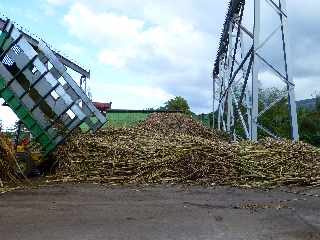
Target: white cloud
(101,28)
(269,80)
(125,96)
(173,50)
(49,7)
(117,58)
(7,116)
(126,42)
(173,43)
(72,50)
(57,2)
(307,87)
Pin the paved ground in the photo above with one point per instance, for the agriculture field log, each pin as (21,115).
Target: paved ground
(97,212)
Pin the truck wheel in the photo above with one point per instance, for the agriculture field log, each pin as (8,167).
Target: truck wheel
(25,163)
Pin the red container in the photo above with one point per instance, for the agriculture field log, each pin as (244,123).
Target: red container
(103,107)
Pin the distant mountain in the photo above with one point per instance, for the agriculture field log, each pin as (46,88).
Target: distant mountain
(309,104)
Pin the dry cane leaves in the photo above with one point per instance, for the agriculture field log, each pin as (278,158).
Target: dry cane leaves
(173,148)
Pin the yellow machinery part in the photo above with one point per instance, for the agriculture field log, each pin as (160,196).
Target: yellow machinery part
(21,149)
(36,157)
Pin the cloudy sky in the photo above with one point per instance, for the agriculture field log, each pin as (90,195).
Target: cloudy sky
(143,52)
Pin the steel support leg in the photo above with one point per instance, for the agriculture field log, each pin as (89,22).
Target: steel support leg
(288,66)
(255,73)
(213,101)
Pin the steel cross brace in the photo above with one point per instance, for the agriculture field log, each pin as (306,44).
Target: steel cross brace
(225,74)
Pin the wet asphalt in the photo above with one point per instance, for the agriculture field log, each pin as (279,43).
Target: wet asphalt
(88,212)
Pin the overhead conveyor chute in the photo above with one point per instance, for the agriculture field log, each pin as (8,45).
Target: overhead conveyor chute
(37,87)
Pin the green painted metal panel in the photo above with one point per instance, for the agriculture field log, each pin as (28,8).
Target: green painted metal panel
(2,36)
(7,43)
(50,114)
(23,114)
(84,127)
(15,103)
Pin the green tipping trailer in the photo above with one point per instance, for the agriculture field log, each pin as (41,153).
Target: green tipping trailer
(36,86)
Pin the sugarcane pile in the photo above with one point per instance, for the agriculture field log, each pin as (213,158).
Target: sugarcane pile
(173,148)
(278,162)
(7,161)
(172,124)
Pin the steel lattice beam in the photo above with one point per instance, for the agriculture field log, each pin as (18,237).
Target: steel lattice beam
(68,63)
(236,67)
